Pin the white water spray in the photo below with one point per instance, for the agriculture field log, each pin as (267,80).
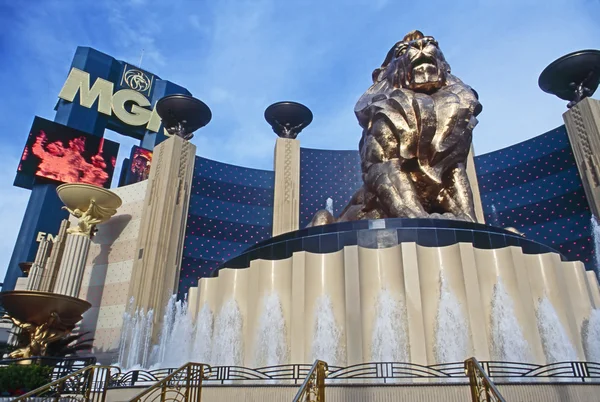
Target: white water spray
(508,342)
(592,337)
(327,337)
(271,337)
(495,219)
(180,337)
(227,345)
(452,330)
(329,205)
(390,332)
(596,238)
(175,344)
(555,341)
(204,335)
(136,336)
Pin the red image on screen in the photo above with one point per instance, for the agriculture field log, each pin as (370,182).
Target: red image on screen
(139,168)
(66,155)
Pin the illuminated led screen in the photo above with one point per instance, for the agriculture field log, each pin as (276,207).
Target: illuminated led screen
(139,166)
(66,155)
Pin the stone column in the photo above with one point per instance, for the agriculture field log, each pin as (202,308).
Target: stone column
(155,275)
(53,262)
(91,205)
(39,265)
(286,203)
(72,265)
(583,127)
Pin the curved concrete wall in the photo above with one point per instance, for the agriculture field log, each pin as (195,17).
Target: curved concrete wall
(414,277)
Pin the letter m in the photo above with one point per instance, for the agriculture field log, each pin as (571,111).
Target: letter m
(79,81)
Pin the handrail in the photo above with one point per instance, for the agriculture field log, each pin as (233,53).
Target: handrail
(482,387)
(89,382)
(184,384)
(313,387)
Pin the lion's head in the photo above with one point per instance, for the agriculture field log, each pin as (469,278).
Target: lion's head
(415,63)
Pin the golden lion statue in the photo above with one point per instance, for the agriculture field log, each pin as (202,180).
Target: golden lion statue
(417,122)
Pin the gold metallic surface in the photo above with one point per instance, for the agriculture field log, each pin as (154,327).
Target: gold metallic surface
(91,205)
(417,122)
(88,384)
(44,317)
(313,388)
(482,387)
(184,384)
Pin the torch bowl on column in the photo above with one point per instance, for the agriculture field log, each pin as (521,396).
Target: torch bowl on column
(43,319)
(79,196)
(36,307)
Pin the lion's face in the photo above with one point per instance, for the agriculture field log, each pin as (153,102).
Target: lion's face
(419,65)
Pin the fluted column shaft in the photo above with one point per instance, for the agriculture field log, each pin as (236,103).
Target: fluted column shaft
(70,273)
(53,261)
(39,265)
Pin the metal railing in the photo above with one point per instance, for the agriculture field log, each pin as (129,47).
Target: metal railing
(313,388)
(61,366)
(88,384)
(482,387)
(183,384)
(381,373)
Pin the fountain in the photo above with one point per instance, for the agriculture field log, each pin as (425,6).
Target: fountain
(329,205)
(596,238)
(271,344)
(45,317)
(327,343)
(412,218)
(450,319)
(508,341)
(204,334)
(555,341)
(176,341)
(390,330)
(134,346)
(591,337)
(228,345)
(180,340)
(495,218)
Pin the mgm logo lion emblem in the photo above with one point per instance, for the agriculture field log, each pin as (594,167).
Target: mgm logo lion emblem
(137,80)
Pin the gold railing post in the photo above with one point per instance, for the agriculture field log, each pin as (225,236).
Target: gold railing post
(188,379)
(199,393)
(183,389)
(89,383)
(313,388)
(482,387)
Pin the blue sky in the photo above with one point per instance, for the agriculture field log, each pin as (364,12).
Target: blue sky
(240,56)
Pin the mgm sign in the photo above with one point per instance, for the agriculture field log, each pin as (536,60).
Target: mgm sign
(101,93)
(129,105)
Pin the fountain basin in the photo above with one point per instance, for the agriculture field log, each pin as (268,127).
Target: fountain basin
(385,233)
(36,307)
